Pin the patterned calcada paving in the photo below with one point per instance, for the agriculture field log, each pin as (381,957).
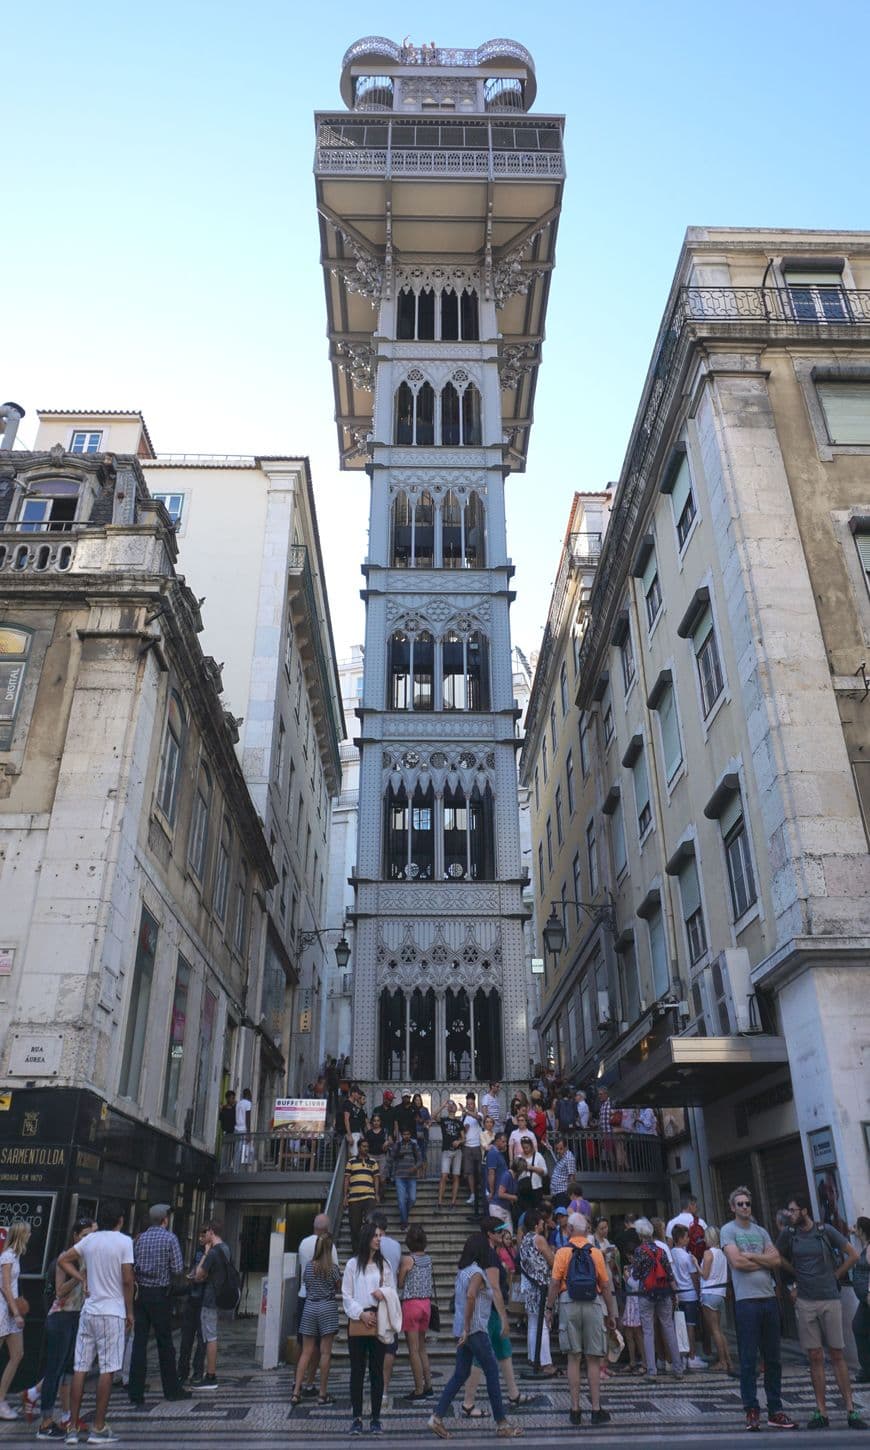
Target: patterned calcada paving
(252,1410)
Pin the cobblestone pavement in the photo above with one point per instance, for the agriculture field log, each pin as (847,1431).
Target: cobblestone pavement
(251,1410)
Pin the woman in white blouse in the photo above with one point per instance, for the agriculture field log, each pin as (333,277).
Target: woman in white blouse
(366,1277)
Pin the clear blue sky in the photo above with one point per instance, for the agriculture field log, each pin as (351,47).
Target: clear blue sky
(160,241)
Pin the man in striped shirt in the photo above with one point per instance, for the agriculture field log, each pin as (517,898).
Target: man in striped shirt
(360,1189)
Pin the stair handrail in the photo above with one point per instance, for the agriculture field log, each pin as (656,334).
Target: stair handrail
(335,1196)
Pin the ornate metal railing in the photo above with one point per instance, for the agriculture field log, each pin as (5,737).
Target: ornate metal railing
(377,161)
(436,55)
(801,308)
(279,1152)
(298,565)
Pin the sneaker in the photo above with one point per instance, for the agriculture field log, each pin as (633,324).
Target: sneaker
(51,1432)
(197,1379)
(438,1427)
(780,1421)
(72,1437)
(28,1404)
(385,1402)
(470,1200)
(818,1421)
(209,1382)
(106,1436)
(855,1422)
(7,1412)
(696,1363)
(600,1417)
(376,1428)
(357,1427)
(753,1419)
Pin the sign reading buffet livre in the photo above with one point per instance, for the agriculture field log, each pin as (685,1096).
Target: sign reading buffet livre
(300,1115)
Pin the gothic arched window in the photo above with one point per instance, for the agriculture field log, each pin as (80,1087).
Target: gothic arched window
(410,671)
(404,414)
(458,1024)
(424,415)
(393,1041)
(471,426)
(421,1033)
(469,315)
(409,846)
(413,532)
(451,417)
(487,1035)
(465,671)
(469,848)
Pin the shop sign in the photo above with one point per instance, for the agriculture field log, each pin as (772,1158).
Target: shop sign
(33,1162)
(35,1054)
(537,966)
(822,1150)
(300,1115)
(37,1209)
(7,957)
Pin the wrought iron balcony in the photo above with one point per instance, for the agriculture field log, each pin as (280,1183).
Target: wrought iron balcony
(454,146)
(624,1156)
(286,1152)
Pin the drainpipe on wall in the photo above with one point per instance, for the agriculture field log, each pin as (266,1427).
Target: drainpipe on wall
(10,416)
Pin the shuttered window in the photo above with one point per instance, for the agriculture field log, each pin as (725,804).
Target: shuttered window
(617,836)
(846,407)
(708,661)
(672,751)
(641,795)
(690,897)
(862,544)
(658,952)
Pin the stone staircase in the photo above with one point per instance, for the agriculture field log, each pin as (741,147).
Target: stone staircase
(446,1233)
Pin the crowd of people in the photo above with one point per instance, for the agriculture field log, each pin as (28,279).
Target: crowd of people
(104,1295)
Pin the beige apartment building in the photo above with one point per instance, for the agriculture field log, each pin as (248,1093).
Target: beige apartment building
(272,632)
(722,722)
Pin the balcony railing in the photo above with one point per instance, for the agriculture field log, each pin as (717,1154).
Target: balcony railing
(619,1154)
(399,147)
(280,1152)
(35,553)
(802,309)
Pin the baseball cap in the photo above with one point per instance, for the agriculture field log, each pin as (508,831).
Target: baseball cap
(558,1211)
(388,1096)
(406,1093)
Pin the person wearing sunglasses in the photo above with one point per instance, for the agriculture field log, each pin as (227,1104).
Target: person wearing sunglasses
(752,1258)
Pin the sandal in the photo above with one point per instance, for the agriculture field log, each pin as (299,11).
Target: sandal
(521,1399)
(508,1432)
(324,1400)
(475,1413)
(439,1428)
(295,1400)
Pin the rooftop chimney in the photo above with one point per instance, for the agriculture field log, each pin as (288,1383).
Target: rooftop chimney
(10,416)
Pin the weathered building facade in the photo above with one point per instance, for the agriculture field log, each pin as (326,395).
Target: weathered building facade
(723,699)
(438,198)
(133,865)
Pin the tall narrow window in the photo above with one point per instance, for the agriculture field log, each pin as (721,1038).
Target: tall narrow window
(199,823)
(560,825)
(465,671)
(471,419)
(177,1031)
(449,316)
(279,752)
(628,665)
(452,530)
(592,858)
(404,414)
(410,835)
(617,839)
(469,316)
(406,316)
(537,789)
(741,877)
(641,794)
(393,1036)
(541,876)
(693,916)
(544,759)
(138,1007)
(629,985)
(578,888)
(14,652)
(816,295)
(473,542)
(468,835)
(170,763)
(458,1018)
(549,843)
(240,934)
(222,874)
(207,1026)
(411,664)
(679,485)
(426,315)
(663,699)
(488,1014)
(584,744)
(569,781)
(554,732)
(451,417)
(423,545)
(658,953)
(424,415)
(707,661)
(563,688)
(652,589)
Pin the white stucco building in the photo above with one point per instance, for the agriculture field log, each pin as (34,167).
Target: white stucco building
(438,200)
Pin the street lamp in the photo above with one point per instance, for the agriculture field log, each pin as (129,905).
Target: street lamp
(342,952)
(554,932)
(342,946)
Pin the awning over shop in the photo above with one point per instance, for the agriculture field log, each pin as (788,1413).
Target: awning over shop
(697,1070)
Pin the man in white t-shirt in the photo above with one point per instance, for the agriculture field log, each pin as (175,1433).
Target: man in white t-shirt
(471,1158)
(244,1106)
(687,1215)
(304,1256)
(103,1263)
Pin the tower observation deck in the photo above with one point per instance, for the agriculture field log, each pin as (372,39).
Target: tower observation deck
(439,197)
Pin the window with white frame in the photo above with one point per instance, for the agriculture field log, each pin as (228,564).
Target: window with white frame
(607,717)
(846,407)
(658,952)
(592,857)
(86,440)
(665,703)
(569,781)
(578,887)
(241,926)
(563,688)
(560,826)
(693,915)
(50,508)
(198,847)
(173,504)
(682,499)
(640,776)
(816,294)
(862,544)
(584,744)
(169,777)
(741,877)
(629,668)
(707,659)
(652,589)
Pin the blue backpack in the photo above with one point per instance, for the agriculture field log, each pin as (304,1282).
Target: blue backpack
(581,1282)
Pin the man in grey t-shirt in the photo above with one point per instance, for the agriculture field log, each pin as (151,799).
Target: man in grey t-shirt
(816,1259)
(752,1259)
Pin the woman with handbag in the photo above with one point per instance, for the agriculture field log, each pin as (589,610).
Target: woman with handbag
(530,1171)
(366,1276)
(416,1291)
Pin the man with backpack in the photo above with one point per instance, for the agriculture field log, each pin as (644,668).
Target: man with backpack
(688,1217)
(657,1295)
(816,1259)
(222,1289)
(581,1282)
